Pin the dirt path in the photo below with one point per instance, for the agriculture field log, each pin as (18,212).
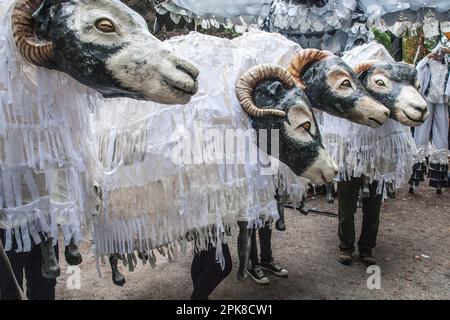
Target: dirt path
(411,226)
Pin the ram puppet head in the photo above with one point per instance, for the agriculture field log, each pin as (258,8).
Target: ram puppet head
(394,84)
(104,45)
(332,86)
(268,94)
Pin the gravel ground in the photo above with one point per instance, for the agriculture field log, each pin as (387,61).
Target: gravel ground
(413,254)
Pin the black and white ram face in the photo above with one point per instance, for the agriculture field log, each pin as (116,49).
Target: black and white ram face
(107,46)
(395,86)
(301,147)
(332,86)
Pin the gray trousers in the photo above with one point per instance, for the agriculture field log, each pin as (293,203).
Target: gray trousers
(347,201)
(437,125)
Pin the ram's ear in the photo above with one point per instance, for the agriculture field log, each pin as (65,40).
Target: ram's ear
(309,75)
(43,16)
(363,75)
(275,88)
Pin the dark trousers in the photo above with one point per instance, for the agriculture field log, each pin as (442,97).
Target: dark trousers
(265,242)
(207,273)
(28,264)
(348,198)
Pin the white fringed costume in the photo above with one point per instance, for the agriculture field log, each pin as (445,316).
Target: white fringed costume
(49,154)
(45,149)
(384,154)
(432,137)
(151,202)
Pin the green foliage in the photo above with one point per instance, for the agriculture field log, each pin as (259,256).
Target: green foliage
(384,38)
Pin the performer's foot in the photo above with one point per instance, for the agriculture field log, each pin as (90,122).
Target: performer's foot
(258,276)
(345,256)
(411,190)
(439,191)
(274,268)
(366,257)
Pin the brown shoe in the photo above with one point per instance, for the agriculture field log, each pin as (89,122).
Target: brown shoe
(345,256)
(367,258)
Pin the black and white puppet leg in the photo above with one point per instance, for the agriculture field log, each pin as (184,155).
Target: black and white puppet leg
(418,175)
(438,174)
(390,189)
(244,245)
(50,266)
(302,208)
(72,254)
(280,225)
(117,277)
(330,193)
(365,191)
(438,170)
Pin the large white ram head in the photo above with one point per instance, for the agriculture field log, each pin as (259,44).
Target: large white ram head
(104,45)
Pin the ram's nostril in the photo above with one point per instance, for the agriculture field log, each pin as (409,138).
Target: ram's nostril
(420,108)
(188,68)
(386,113)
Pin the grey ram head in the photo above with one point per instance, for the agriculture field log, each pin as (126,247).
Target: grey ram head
(269,96)
(104,45)
(332,86)
(394,84)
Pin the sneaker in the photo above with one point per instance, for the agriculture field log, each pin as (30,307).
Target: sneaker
(257,275)
(367,258)
(274,268)
(345,257)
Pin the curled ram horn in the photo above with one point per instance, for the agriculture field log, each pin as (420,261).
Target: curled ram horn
(302,60)
(364,66)
(34,50)
(250,79)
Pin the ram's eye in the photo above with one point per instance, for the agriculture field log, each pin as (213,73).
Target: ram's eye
(307,126)
(346,84)
(105,25)
(380,83)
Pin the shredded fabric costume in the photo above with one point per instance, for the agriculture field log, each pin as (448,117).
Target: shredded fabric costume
(151,201)
(433,76)
(384,154)
(44,148)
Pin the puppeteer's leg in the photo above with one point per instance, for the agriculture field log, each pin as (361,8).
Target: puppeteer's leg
(211,272)
(347,205)
(370,224)
(254,270)
(40,287)
(267,261)
(8,290)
